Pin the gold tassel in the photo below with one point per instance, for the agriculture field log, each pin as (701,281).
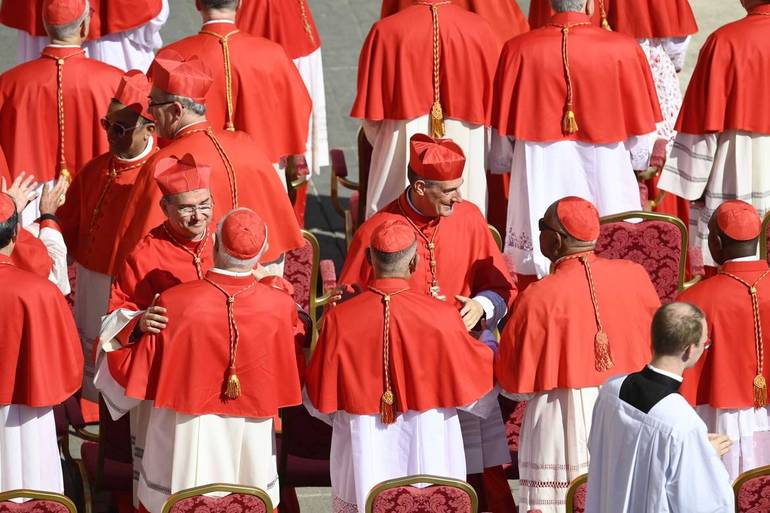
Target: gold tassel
(65,173)
(606,24)
(602,358)
(760,391)
(233,385)
(569,124)
(387,411)
(230,126)
(437,120)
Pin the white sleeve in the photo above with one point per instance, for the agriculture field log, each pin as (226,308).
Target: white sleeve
(371,130)
(694,460)
(688,168)
(640,148)
(500,157)
(57,250)
(114,395)
(485,406)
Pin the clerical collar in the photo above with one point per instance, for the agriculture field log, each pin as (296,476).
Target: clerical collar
(145,152)
(51,45)
(665,373)
(211,22)
(411,205)
(184,128)
(762,9)
(235,274)
(750,258)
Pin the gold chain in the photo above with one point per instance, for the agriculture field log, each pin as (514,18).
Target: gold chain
(197,260)
(431,246)
(224,41)
(306,20)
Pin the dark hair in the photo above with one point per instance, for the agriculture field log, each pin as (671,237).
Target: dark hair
(414,177)
(8,229)
(675,327)
(219,4)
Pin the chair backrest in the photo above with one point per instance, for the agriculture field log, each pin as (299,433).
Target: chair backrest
(752,491)
(303,435)
(658,243)
(365,151)
(443,494)
(577,493)
(513,416)
(39,502)
(764,240)
(496,235)
(239,499)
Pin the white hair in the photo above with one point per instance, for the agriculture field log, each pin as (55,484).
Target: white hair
(225,260)
(66,30)
(568,5)
(188,103)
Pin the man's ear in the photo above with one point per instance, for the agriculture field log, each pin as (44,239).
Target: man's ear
(413,263)
(688,353)
(419,187)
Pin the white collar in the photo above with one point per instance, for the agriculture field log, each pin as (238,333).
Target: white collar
(189,125)
(232,22)
(666,373)
(63,46)
(231,273)
(750,258)
(411,205)
(145,152)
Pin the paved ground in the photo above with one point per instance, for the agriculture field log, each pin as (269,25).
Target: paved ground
(343,25)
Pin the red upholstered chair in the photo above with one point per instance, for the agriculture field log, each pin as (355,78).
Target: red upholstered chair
(513,415)
(38,502)
(752,491)
(339,178)
(658,242)
(577,493)
(442,494)
(239,499)
(764,239)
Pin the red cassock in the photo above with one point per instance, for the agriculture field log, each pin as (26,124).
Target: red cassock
(256,184)
(31,254)
(395,69)
(42,362)
(614,94)
(183,368)
(433,362)
(504,16)
(29,101)
(277,113)
(287,22)
(467,258)
(725,92)
(95,202)
(548,342)
(109,16)
(724,376)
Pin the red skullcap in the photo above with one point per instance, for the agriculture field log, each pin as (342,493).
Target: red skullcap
(63,12)
(739,220)
(133,92)
(174,175)
(579,218)
(243,234)
(176,74)
(392,236)
(7,207)
(436,159)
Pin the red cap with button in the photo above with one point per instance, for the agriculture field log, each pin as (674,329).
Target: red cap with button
(739,220)
(392,236)
(579,218)
(7,207)
(182,76)
(174,175)
(134,91)
(436,159)
(62,12)
(243,234)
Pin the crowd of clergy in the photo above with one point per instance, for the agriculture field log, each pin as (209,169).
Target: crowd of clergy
(151,194)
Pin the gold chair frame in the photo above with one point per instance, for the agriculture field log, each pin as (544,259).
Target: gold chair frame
(315,302)
(40,496)
(763,237)
(655,216)
(421,479)
(572,490)
(747,476)
(496,235)
(218,487)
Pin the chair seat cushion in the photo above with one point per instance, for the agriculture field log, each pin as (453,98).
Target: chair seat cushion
(33,506)
(408,499)
(754,495)
(233,503)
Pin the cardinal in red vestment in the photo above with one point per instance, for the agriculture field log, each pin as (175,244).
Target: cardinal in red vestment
(458,261)
(588,320)
(728,386)
(219,371)
(241,174)
(40,368)
(62,90)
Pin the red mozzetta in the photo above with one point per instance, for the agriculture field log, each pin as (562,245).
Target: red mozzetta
(287,22)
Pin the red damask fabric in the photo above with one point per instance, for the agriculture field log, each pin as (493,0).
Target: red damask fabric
(579,504)
(297,270)
(408,499)
(233,503)
(754,496)
(34,506)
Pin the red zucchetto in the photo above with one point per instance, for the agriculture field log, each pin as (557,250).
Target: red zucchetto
(7,207)
(739,220)
(175,74)
(436,159)
(63,12)
(392,236)
(579,218)
(174,175)
(243,234)
(134,91)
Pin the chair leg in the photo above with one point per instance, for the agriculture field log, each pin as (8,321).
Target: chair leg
(289,502)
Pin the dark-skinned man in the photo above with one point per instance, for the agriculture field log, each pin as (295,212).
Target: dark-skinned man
(586,321)
(459,262)
(728,387)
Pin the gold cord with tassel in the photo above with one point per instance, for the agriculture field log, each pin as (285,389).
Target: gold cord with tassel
(224,41)
(233,383)
(603,15)
(231,177)
(388,399)
(437,128)
(760,383)
(569,125)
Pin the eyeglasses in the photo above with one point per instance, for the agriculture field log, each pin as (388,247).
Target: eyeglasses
(188,210)
(117,128)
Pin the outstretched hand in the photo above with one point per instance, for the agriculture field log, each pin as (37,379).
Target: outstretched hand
(153,320)
(22,190)
(471,311)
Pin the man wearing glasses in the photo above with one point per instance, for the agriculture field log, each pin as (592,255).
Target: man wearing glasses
(728,387)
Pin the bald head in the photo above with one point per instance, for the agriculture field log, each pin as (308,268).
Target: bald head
(676,327)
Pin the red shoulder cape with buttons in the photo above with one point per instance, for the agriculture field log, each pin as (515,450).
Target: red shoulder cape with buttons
(286,22)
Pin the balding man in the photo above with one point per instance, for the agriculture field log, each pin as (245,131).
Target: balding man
(649,450)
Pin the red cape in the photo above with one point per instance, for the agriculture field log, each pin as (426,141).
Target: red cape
(185,366)
(434,363)
(614,93)
(94,205)
(281,21)
(28,101)
(504,16)
(395,69)
(257,184)
(724,376)
(728,89)
(277,113)
(109,17)
(31,254)
(42,363)
(467,258)
(548,342)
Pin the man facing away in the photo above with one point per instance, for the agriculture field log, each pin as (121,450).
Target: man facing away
(650,453)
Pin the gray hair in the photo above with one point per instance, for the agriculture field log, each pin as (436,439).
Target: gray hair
(394,262)
(219,4)
(225,259)
(187,103)
(68,29)
(568,5)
